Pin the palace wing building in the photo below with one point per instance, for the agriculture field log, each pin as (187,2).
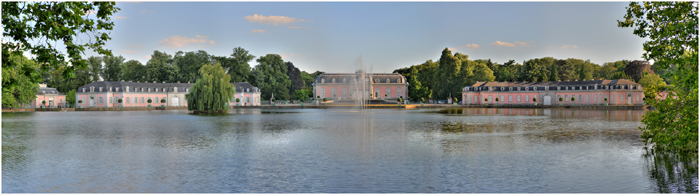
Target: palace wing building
(593,92)
(137,94)
(339,86)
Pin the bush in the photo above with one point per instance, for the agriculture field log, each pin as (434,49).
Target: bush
(497,99)
(561,99)
(120,100)
(161,101)
(422,99)
(150,101)
(80,101)
(486,99)
(399,100)
(238,100)
(534,99)
(606,99)
(324,99)
(454,100)
(573,99)
(43,101)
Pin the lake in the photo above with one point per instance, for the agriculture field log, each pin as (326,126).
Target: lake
(484,150)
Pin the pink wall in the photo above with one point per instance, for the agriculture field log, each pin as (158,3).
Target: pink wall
(253,97)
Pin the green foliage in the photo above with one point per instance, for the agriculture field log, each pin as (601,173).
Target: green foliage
(238,100)
(43,101)
(454,100)
(301,94)
(497,99)
(134,71)
(486,99)
(160,68)
(212,92)
(80,101)
(188,65)
(606,99)
(399,100)
(534,99)
(562,99)
(150,101)
(573,98)
(17,86)
(422,99)
(113,68)
(70,97)
(651,79)
(270,75)
(447,73)
(555,73)
(324,99)
(296,82)
(37,26)
(672,32)
(237,64)
(94,67)
(120,100)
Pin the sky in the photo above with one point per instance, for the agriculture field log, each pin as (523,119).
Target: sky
(331,36)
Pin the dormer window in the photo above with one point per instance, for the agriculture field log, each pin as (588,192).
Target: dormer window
(83,89)
(344,80)
(333,80)
(100,89)
(174,89)
(387,80)
(92,89)
(323,80)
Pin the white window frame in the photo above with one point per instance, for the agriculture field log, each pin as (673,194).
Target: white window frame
(518,98)
(510,98)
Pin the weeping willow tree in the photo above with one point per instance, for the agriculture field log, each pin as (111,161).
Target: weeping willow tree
(211,93)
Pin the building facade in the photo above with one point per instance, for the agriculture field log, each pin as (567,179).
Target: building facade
(53,97)
(339,86)
(593,92)
(137,94)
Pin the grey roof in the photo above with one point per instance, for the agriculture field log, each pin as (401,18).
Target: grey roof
(48,91)
(143,87)
(376,77)
(555,83)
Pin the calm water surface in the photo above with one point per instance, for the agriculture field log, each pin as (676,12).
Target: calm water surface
(336,150)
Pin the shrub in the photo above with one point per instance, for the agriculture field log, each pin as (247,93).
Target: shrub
(43,101)
(454,100)
(486,99)
(534,99)
(497,99)
(324,99)
(238,100)
(161,100)
(606,99)
(561,99)
(573,99)
(422,99)
(80,101)
(399,100)
(120,100)
(150,101)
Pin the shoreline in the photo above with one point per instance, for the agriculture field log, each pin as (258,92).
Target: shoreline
(331,106)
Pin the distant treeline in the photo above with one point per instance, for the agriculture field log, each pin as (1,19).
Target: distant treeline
(447,76)
(271,74)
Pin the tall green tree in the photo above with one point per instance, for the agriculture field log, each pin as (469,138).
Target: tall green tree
(212,92)
(447,73)
(113,68)
(36,27)
(482,73)
(160,68)
(134,71)
(94,67)
(650,79)
(70,97)
(189,63)
(555,73)
(270,75)
(237,64)
(296,82)
(17,87)
(672,32)
(301,95)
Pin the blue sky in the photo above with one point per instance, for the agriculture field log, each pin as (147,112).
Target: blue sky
(331,36)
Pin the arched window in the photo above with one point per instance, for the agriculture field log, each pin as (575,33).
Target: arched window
(344,80)
(323,92)
(323,80)
(376,92)
(333,91)
(345,91)
(333,81)
(387,80)
(127,100)
(398,92)
(388,92)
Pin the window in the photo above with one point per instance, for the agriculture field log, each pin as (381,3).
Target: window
(323,92)
(510,98)
(534,96)
(142,100)
(398,92)
(110,100)
(566,98)
(595,97)
(502,99)
(622,98)
(636,98)
(558,96)
(333,90)
(527,98)
(490,98)
(612,97)
(323,80)
(580,98)
(99,100)
(476,98)
(518,98)
(388,92)
(247,99)
(156,100)
(127,100)
(586,98)
(345,91)
(377,92)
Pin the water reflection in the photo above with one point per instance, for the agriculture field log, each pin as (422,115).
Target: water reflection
(672,173)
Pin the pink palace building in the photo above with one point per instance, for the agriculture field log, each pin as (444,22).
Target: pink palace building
(339,86)
(137,94)
(53,97)
(592,92)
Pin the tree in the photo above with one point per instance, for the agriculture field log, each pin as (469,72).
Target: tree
(651,79)
(301,94)
(270,75)
(94,67)
(483,73)
(188,65)
(113,68)
(37,26)
(447,73)
(212,92)
(237,64)
(637,68)
(416,90)
(309,79)
(17,87)
(134,71)
(555,73)
(70,97)
(296,83)
(672,30)
(160,69)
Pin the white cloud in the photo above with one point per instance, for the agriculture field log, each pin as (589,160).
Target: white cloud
(257,31)
(148,57)
(568,46)
(177,41)
(272,20)
(452,49)
(475,46)
(294,27)
(504,44)
(120,17)
(129,51)
(521,43)
(138,46)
